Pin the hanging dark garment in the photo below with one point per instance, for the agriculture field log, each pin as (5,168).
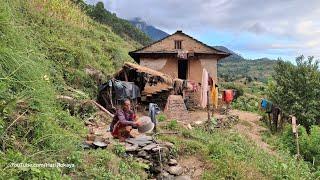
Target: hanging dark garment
(275,115)
(235,94)
(119,90)
(126,90)
(135,92)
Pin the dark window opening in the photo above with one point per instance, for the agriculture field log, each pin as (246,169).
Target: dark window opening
(178,44)
(182,69)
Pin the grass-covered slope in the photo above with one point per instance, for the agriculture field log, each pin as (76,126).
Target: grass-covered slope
(120,26)
(45,48)
(226,154)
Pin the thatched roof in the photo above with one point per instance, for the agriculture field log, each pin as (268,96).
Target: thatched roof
(142,69)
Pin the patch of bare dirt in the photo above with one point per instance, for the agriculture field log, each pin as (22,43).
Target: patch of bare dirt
(193,166)
(249,126)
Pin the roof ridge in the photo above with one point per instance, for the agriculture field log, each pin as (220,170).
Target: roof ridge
(180,32)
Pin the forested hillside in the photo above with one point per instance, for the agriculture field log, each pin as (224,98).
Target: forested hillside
(235,69)
(122,27)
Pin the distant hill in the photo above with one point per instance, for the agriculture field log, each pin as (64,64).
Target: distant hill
(153,32)
(235,69)
(234,55)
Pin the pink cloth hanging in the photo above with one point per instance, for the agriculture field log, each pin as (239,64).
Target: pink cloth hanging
(204,88)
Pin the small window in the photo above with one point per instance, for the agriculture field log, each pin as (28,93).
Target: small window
(177,44)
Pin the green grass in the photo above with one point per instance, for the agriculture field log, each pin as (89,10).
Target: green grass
(232,156)
(45,47)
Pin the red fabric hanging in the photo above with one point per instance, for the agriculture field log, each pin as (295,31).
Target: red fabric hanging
(228,96)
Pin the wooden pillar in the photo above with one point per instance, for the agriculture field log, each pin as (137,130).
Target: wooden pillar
(208,105)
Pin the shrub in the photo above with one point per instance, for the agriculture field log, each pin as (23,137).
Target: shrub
(172,125)
(119,149)
(309,143)
(296,89)
(246,103)
(161,117)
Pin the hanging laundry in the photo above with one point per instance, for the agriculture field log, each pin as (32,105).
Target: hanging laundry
(192,85)
(204,88)
(182,54)
(178,86)
(215,95)
(264,103)
(228,96)
(269,107)
(275,115)
(235,94)
(124,89)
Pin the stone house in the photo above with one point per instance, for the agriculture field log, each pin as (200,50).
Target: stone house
(180,56)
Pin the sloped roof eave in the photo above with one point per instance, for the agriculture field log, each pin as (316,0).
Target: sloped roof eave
(217,51)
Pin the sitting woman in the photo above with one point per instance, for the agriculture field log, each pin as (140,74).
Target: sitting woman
(123,121)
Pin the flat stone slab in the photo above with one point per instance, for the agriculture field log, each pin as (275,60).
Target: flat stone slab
(165,176)
(142,154)
(100,144)
(175,170)
(182,178)
(172,162)
(131,147)
(150,146)
(140,140)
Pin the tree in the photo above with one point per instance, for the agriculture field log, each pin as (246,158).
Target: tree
(99,12)
(296,89)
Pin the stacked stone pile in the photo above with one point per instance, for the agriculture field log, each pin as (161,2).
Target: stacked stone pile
(176,109)
(157,155)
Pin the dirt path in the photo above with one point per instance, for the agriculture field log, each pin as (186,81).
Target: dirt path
(249,126)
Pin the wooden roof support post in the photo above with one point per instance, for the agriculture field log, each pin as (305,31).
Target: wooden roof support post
(125,75)
(296,133)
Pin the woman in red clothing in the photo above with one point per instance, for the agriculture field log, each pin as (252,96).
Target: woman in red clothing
(123,121)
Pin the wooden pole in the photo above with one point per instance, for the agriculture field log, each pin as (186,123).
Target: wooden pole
(297,145)
(269,119)
(296,133)
(102,108)
(208,105)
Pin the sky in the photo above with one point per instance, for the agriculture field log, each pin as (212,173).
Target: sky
(252,28)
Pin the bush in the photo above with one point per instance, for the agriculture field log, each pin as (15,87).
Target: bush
(246,103)
(172,125)
(309,143)
(296,89)
(161,117)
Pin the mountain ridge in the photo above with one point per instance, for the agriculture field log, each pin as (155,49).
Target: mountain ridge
(154,33)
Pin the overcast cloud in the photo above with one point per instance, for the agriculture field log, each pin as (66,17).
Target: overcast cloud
(279,28)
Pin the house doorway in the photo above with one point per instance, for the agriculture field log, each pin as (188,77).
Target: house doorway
(182,69)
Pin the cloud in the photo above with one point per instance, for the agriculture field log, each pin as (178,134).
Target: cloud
(293,20)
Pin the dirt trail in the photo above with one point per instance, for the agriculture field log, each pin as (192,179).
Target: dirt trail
(249,126)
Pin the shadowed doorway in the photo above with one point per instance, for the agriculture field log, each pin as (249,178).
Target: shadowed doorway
(182,69)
